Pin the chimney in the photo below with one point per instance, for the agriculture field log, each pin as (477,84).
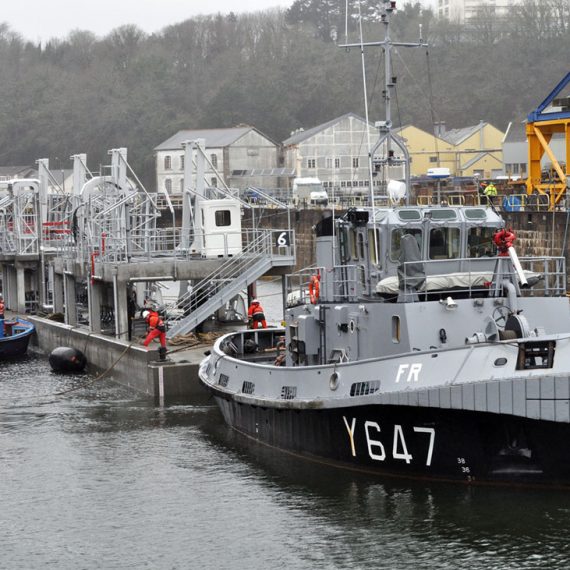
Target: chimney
(439,128)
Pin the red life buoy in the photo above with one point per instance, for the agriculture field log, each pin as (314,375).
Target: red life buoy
(314,288)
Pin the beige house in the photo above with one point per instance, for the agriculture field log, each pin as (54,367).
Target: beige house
(426,150)
(467,151)
(240,155)
(478,149)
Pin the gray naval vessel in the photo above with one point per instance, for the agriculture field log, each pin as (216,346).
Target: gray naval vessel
(420,345)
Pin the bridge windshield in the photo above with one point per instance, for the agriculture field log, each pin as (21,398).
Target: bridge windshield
(480,242)
(397,238)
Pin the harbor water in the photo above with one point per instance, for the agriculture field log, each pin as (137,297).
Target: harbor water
(97,478)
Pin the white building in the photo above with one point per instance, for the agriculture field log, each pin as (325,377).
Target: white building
(336,152)
(462,11)
(232,152)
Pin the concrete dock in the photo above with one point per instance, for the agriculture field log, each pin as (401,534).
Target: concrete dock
(129,364)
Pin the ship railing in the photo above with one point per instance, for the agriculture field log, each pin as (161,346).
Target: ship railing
(337,284)
(168,242)
(474,277)
(506,202)
(297,285)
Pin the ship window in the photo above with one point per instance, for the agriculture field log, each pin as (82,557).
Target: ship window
(475,214)
(344,245)
(360,242)
(248,387)
(397,237)
(223,218)
(353,244)
(409,215)
(443,214)
(373,247)
(395,328)
(444,243)
(480,242)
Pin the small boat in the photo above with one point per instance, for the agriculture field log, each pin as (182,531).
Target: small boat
(16,337)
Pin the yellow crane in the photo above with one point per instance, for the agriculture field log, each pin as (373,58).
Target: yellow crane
(550,117)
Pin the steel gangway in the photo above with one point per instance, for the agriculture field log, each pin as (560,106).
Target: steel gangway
(259,255)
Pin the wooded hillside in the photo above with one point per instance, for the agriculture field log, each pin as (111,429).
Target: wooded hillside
(276,70)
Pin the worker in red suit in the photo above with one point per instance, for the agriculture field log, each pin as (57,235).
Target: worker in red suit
(256,316)
(156,329)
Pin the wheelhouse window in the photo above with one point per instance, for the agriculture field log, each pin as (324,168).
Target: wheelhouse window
(396,241)
(480,242)
(374,246)
(360,245)
(444,243)
(223,218)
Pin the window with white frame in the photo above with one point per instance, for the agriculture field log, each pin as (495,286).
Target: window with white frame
(337,162)
(329,162)
(168,185)
(214,160)
(355,162)
(214,182)
(311,163)
(181,162)
(167,162)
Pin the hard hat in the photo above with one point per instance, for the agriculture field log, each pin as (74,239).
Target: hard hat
(255,301)
(145,314)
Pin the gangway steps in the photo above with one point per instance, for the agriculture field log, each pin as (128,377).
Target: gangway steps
(221,296)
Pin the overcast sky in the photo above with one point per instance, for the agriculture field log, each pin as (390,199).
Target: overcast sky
(43,19)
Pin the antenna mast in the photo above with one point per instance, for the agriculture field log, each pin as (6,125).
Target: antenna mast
(388,7)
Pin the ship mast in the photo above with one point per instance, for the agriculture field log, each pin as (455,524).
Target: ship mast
(388,159)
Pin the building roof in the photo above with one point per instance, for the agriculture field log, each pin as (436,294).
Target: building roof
(18,172)
(457,136)
(516,132)
(215,138)
(303,135)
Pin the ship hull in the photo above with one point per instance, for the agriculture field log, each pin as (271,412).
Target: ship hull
(444,444)
(16,345)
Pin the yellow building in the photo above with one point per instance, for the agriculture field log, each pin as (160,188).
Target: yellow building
(478,149)
(466,152)
(426,150)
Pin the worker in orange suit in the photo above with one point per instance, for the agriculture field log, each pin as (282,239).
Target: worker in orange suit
(256,316)
(156,329)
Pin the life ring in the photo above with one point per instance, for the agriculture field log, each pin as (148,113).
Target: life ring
(314,289)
